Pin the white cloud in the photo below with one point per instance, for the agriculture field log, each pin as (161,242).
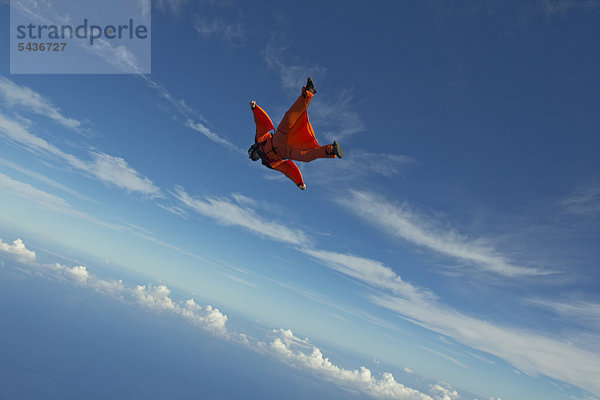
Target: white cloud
(45,180)
(292,75)
(302,354)
(336,116)
(198,127)
(22,96)
(116,171)
(357,167)
(79,274)
(403,223)
(552,7)
(371,272)
(18,250)
(173,6)
(227,212)
(119,56)
(584,313)
(190,115)
(585,201)
(444,393)
(228,32)
(108,169)
(49,201)
(154,297)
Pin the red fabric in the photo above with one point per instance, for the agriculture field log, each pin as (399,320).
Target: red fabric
(291,170)
(295,129)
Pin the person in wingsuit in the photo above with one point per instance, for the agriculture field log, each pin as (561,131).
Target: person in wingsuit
(294,138)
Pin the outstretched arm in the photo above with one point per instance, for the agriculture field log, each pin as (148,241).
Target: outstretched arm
(289,169)
(262,120)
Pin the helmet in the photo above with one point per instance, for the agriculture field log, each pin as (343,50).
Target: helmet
(253,153)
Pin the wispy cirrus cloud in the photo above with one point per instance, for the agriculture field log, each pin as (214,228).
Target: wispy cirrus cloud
(403,223)
(585,201)
(110,170)
(577,311)
(49,201)
(359,166)
(190,117)
(227,212)
(44,179)
(16,95)
(531,352)
(371,272)
(334,115)
(172,6)
(291,75)
(199,127)
(227,31)
(553,7)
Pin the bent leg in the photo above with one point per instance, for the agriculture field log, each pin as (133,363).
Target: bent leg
(308,155)
(295,112)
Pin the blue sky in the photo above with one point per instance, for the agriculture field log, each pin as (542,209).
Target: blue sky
(454,247)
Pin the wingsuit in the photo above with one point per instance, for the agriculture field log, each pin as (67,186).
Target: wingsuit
(294,138)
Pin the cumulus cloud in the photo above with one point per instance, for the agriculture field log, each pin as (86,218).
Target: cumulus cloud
(227,212)
(208,318)
(22,96)
(401,222)
(154,297)
(444,393)
(110,170)
(18,251)
(302,354)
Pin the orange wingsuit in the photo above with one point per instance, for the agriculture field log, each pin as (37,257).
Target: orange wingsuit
(294,139)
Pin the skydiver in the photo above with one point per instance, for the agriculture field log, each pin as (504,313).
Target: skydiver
(294,138)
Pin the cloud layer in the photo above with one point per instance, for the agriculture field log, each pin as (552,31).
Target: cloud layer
(281,344)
